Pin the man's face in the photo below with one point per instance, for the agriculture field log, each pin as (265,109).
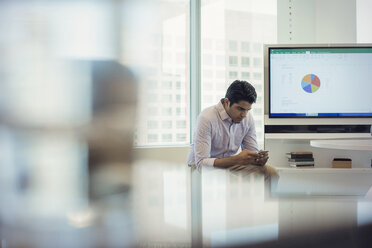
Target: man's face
(237,111)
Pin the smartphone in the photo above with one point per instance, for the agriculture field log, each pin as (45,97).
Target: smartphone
(263,153)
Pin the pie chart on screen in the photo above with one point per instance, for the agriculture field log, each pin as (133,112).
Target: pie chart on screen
(310,83)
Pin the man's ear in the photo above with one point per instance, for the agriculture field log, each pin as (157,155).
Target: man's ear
(226,101)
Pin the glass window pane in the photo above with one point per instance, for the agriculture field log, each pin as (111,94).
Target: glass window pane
(164,61)
(166,124)
(152,138)
(245,61)
(245,46)
(166,137)
(181,124)
(257,62)
(233,45)
(233,60)
(238,32)
(233,74)
(152,124)
(181,137)
(245,75)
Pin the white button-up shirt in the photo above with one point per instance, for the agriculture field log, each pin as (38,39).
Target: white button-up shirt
(217,136)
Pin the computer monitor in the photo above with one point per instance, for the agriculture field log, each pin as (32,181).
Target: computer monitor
(318,81)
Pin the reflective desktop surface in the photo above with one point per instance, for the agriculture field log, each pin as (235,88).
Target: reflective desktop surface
(172,205)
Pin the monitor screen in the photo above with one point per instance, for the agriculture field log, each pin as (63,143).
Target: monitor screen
(320,81)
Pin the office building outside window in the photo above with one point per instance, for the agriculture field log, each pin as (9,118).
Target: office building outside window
(238,31)
(232,38)
(163,66)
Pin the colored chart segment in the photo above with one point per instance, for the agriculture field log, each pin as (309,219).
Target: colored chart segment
(310,83)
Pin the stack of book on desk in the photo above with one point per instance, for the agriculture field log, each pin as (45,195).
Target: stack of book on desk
(300,159)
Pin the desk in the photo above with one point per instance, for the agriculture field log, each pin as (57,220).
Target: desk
(345,144)
(234,210)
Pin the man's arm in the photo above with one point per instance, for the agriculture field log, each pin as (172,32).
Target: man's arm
(245,157)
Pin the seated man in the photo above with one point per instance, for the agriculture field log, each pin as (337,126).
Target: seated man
(223,128)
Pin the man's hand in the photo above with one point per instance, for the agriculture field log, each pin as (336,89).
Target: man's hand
(262,159)
(246,157)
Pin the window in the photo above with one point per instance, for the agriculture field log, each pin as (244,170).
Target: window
(245,61)
(246,75)
(233,60)
(181,124)
(257,111)
(178,85)
(178,98)
(237,22)
(166,137)
(152,138)
(167,98)
(257,62)
(166,124)
(152,124)
(232,51)
(257,47)
(161,49)
(181,137)
(152,111)
(167,111)
(166,85)
(152,84)
(233,74)
(178,111)
(258,87)
(152,98)
(257,76)
(233,45)
(245,46)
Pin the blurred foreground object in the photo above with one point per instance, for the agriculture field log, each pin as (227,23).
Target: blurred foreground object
(66,134)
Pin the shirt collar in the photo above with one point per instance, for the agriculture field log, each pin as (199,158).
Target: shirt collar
(222,112)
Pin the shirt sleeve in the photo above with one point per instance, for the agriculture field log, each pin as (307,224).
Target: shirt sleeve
(202,143)
(250,139)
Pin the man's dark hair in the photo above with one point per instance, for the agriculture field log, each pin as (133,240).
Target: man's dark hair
(241,90)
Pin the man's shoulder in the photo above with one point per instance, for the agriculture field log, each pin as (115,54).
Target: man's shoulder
(209,113)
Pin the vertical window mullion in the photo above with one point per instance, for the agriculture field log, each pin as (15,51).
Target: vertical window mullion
(195,63)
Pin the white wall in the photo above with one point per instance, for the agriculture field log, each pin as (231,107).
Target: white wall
(317,21)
